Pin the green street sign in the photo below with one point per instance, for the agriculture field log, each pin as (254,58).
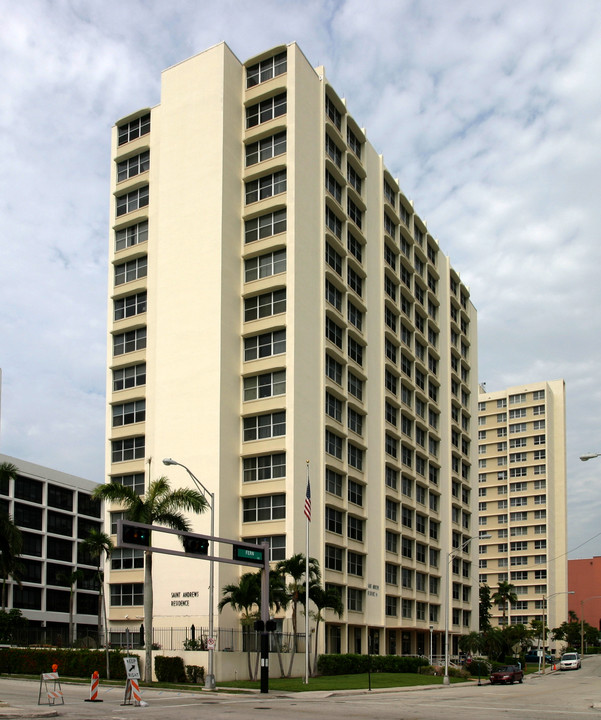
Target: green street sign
(248,554)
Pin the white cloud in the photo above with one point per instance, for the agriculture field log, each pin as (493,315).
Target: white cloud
(488,113)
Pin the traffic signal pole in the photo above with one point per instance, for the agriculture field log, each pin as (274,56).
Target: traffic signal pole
(134,535)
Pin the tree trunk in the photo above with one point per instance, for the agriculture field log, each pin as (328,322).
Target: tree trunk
(314,670)
(148,616)
(292,654)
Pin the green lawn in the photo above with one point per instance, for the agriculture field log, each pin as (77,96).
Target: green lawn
(341,682)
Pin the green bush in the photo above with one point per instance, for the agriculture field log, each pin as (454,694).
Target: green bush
(478,668)
(71,663)
(351,664)
(195,673)
(169,669)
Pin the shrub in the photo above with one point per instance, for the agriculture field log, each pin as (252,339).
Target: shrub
(195,673)
(169,669)
(351,664)
(71,663)
(478,668)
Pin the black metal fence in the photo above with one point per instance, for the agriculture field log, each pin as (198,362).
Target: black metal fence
(164,638)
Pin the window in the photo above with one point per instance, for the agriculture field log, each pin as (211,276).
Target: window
(265,226)
(392,606)
(354,212)
(265,187)
(355,528)
(333,370)
(129,341)
(265,345)
(127,594)
(277,545)
(129,413)
(265,149)
(355,456)
(355,599)
(334,332)
(355,281)
(354,246)
(333,482)
(133,200)
(389,194)
(333,187)
(128,449)
(134,481)
(259,427)
(333,520)
(127,559)
(333,259)
(407,547)
(266,69)
(538,410)
(131,270)
(333,444)
(134,129)
(519,413)
(265,385)
(260,306)
(266,110)
(134,376)
(391,574)
(391,477)
(392,510)
(133,166)
(392,542)
(264,467)
(353,142)
(355,351)
(333,222)
(264,507)
(266,265)
(132,235)
(355,386)
(129,306)
(353,177)
(355,316)
(355,421)
(333,407)
(333,113)
(333,558)
(333,151)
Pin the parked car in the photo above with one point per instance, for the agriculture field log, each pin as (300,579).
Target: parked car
(533,657)
(570,661)
(507,675)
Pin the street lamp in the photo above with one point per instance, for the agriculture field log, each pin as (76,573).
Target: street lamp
(545,601)
(594,597)
(446,680)
(589,456)
(210,677)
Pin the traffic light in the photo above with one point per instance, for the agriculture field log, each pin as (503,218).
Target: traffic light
(195,545)
(136,536)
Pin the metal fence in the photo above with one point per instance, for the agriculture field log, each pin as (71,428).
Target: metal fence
(164,638)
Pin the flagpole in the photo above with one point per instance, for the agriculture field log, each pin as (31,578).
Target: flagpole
(308,520)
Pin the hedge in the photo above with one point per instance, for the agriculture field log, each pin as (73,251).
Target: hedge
(351,664)
(71,663)
(169,669)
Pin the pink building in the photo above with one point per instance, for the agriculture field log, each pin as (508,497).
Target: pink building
(584,578)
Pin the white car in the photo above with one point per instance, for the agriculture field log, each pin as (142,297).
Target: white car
(569,661)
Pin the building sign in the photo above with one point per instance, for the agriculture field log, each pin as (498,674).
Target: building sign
(182,599)
(373,590)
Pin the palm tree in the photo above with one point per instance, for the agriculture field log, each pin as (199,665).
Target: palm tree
(505,594)
(96,545)
(245,594)
(161,506)
(295,567)
(323,599)
(71,578)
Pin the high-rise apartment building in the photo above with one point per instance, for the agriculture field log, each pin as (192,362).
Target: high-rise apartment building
(522,499)
(275,299)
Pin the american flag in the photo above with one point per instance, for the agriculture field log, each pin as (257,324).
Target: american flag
(308,501)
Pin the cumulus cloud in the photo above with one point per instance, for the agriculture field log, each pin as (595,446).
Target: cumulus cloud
(488,113)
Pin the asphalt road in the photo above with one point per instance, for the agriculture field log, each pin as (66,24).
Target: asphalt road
(561,695)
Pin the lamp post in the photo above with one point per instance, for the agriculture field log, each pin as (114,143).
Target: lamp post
(431,632)
(545,601)
(210,677)
(446,680)
(589,456)
(594,597)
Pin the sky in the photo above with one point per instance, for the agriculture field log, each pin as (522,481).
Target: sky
(488,113)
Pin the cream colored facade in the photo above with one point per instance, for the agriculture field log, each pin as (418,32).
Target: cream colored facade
(274,299)
(522,499)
